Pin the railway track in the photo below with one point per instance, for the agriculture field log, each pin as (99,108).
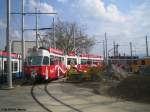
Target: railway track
(43,105)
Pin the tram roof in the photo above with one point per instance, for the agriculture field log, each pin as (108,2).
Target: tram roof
(90,56)
(56,51)
(5,54)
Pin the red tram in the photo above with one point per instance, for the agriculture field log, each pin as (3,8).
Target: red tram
(52,63)
(45,64)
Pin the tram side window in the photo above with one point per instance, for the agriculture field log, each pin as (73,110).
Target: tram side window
(89,62)
(83,61)
(15,66)
(95,62)
(5,66)
(75,60)
(59,59)
(62,59)
(46,60)
(12,66)
(51,60)
(68,62)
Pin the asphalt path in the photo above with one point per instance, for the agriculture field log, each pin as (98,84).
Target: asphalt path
(59,96)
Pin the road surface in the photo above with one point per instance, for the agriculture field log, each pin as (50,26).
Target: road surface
(58,96)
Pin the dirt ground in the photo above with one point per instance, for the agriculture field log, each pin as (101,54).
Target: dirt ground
(60,96)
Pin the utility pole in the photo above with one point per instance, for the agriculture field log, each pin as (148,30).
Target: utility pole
(9,77)
(36,27)
(74,41)
(33,13)
(22,34)
(54,33)
(117,53)
(103,43)
(114,49)
(147,53)
(131,49)
(106,48)
(103,50)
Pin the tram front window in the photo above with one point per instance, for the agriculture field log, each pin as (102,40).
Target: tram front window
(46,60)
(35,60)
(83,61)
(71,61)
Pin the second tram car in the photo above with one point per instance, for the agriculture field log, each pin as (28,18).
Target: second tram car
(88,60)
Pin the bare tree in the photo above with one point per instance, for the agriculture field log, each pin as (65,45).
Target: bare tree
(70,36)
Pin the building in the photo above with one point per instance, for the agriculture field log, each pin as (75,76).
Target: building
(123,59)
(16,46)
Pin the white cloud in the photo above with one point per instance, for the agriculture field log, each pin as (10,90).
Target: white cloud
(41,6)
(15,34)
(97,9)
(131,26)
(62,1)
(44,7)
(30,35)
(2,24)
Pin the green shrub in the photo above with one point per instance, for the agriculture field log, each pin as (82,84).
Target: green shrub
(73,74)
(93,73)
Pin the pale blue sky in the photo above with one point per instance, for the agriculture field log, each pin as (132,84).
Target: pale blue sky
(123,20)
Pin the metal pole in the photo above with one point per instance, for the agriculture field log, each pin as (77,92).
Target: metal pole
(131,49)
(135,50)
(103,50)
(131,56)
(54,33)
(22,32)
(106,48)
(117,53)
(9,78)
(36,28)
(74,41)
(147,53)
(131,53)
(114,49)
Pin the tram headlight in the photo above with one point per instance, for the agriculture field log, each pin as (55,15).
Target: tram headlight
(84,71)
